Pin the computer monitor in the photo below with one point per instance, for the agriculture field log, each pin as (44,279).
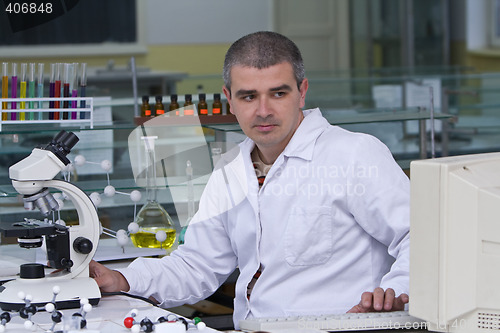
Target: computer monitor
(455,243)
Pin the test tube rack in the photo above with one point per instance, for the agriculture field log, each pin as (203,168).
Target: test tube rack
(88,111)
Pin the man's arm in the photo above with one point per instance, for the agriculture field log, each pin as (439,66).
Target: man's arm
(107,279)
(378,300)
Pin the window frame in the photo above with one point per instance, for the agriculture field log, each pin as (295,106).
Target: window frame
(97,49)
(494,24)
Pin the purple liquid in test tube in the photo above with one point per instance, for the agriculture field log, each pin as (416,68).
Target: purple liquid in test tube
(13,91)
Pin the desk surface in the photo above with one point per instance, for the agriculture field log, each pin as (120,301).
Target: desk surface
(106,317)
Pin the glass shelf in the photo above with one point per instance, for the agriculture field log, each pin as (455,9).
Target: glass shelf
(336,117)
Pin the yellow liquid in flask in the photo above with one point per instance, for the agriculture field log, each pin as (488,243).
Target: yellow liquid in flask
(153,218)
(146,237)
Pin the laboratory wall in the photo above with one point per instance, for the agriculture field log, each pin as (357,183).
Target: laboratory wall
(192,36)
(480,54)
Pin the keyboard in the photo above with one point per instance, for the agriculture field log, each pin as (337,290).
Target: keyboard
(337,322)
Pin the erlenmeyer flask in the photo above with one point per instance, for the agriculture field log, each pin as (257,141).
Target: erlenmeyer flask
(156,228)
(153,219)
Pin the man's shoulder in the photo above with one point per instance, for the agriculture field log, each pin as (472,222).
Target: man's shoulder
(332,131)
(337,133)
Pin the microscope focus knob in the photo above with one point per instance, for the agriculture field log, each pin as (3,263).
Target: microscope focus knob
(82,245)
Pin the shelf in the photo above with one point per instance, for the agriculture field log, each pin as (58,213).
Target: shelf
(388,116)
(20,128)
(185,120)
(356,117)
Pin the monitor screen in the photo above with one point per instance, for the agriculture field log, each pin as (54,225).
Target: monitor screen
(455,243)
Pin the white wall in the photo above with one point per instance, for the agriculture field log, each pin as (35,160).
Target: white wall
(477,21)
(206,21)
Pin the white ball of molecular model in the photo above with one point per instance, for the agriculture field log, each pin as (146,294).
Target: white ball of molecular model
(161,236)
(109,191)
(122,237)
(96,198)
(106,165)
(133,227)
(135,196)
(79,160)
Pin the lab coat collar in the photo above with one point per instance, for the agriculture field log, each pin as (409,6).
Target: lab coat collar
(302,143)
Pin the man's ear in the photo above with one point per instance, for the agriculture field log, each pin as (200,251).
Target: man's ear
(303,90)
(227,92)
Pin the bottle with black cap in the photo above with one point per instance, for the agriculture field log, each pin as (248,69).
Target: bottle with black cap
(159,108)
(202,105)
(145,107)
(173,104)
(217,105)
(188,105)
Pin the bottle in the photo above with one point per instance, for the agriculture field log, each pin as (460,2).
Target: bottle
(228,108)
(188,102)
(217,105)
(174,106)
(159,108)
(145,108)
(202,105)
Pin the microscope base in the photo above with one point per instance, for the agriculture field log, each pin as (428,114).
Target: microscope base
(41,291)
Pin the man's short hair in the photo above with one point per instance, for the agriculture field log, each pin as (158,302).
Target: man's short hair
(263,49)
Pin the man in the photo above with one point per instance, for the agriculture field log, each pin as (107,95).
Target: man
(314,216)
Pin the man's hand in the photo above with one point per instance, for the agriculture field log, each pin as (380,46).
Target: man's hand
(107,279)
(378,300)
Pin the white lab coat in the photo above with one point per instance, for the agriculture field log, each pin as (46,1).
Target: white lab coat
(327,224)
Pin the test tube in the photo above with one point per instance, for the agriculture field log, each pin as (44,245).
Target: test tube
(40,89)
(74,90)
(83,88)
(52,88)
(65,114)
(5,87)
(31,89)
(22,90)
(57,90)
(13,91)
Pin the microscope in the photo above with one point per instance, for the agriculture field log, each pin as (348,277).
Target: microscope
(69,248)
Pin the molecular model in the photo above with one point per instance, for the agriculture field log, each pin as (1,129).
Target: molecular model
(166,324)
(121,235)
(29,310)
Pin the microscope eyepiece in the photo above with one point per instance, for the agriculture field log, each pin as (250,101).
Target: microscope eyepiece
(61,145)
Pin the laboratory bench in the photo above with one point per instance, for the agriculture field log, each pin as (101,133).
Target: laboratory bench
(108,316)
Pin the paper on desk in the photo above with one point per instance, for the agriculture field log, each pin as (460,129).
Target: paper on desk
(10,265)
(11,257)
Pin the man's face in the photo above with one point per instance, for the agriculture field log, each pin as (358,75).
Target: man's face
(267,104)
